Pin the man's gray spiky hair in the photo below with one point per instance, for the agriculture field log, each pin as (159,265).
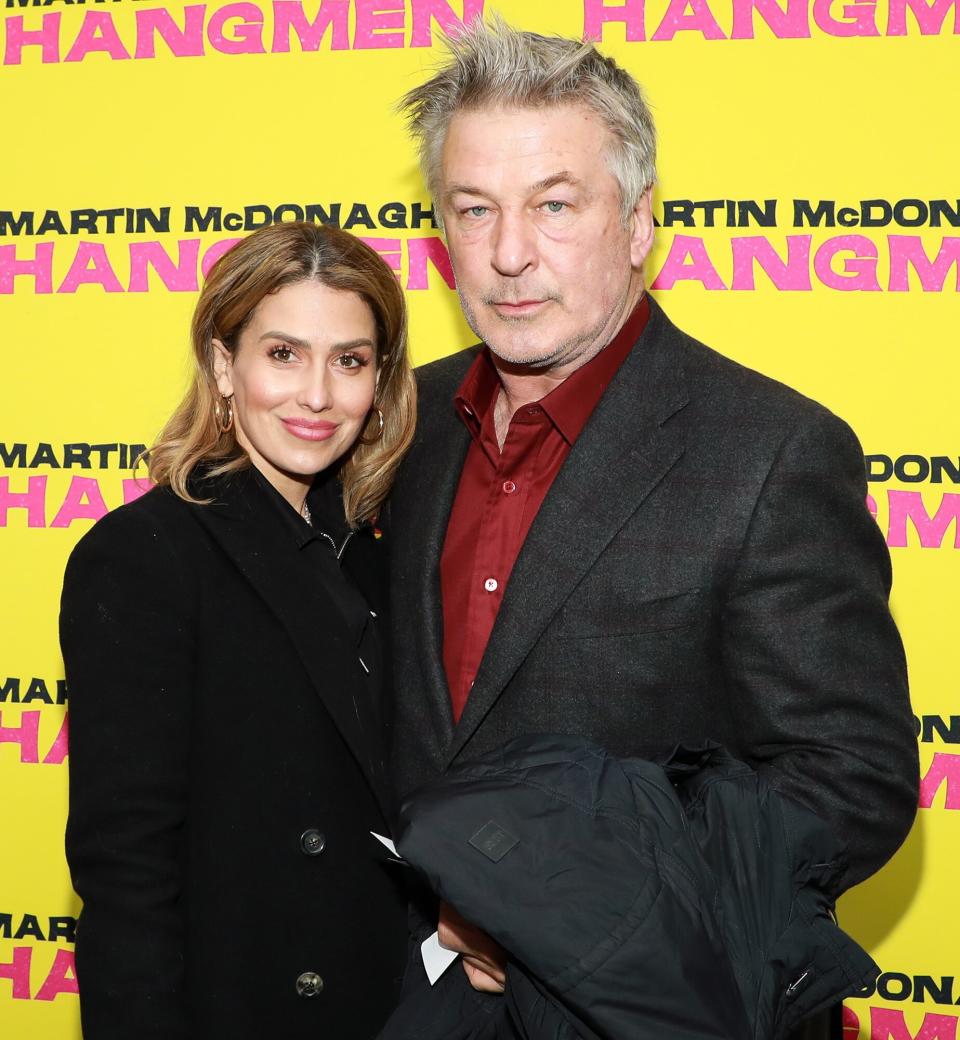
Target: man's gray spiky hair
(494,65)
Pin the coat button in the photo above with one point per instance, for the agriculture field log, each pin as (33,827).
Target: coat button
(312,842)
(309,984)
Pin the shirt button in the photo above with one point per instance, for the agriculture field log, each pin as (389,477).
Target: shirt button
(533,410)
(509,487)
(309,984)
(490,585)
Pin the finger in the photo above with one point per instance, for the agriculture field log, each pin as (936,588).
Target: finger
(450,936)
(482,981)
(492,968)
(456,933)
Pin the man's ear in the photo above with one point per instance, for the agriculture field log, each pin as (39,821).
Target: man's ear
(222,368)
(641,229)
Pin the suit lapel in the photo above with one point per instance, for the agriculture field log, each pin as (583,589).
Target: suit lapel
(240,522)
(622,454)
(429,486)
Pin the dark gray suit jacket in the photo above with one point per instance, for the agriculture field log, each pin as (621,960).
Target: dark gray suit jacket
(703,567)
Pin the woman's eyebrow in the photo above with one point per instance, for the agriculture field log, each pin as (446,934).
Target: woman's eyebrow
(352,344)
(294,341)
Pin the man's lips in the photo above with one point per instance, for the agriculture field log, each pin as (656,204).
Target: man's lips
(508,307)
(310,429)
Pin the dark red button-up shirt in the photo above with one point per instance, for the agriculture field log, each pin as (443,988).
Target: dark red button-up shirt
(501,490)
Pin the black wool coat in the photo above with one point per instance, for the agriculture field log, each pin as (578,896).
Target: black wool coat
(225,771)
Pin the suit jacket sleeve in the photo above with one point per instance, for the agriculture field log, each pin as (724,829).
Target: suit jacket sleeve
(128,648)
(817,672)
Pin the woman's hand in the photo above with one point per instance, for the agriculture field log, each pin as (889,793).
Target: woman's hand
(483,960)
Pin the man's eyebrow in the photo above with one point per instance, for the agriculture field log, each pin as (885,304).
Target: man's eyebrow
(563,177)
(463,189)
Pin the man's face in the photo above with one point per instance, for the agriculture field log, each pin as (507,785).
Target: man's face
(546,270)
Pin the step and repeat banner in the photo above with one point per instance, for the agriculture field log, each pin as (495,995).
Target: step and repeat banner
(809,226)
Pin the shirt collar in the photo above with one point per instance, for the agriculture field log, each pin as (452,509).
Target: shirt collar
(570,405)
(478,392)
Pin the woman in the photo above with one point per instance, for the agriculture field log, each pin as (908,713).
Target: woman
(222,644)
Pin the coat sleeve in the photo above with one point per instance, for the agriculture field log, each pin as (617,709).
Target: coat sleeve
(127,644)
(815,665)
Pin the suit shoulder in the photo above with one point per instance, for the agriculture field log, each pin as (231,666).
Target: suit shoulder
(724,385)
(438,380)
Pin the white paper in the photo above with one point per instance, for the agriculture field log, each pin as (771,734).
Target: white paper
(386,841)
(436,958)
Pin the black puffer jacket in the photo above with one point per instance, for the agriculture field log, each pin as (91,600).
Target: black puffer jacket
(681,901)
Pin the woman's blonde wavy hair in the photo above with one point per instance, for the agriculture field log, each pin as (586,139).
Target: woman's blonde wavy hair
(271,257)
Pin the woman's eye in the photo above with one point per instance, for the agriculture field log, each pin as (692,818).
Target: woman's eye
(351,361)
(281,353)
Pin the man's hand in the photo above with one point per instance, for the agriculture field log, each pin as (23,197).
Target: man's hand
(483,960)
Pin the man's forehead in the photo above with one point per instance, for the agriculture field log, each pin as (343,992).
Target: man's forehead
(539,147)
(565,117)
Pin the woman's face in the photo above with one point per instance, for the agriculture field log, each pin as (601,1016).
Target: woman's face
(302,381)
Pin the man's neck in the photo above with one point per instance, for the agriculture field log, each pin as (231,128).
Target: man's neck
(520,387)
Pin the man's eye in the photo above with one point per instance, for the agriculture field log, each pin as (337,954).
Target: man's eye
(477,211)
(281,353)
(554,206)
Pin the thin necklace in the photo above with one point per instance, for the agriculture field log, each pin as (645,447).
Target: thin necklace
(305,513)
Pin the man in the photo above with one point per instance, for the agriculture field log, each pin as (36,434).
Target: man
(604,528)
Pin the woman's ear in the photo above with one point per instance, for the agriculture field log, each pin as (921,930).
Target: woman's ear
(223,368)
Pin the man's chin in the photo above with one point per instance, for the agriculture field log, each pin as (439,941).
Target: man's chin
(523,355)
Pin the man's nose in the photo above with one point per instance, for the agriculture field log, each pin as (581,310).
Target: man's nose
(514,244)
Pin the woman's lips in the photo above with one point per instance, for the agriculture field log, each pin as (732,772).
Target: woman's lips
(310,430)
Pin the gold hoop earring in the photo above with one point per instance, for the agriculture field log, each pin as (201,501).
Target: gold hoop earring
(373,440)
(223,414)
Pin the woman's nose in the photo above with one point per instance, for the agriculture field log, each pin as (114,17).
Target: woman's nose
(314,390)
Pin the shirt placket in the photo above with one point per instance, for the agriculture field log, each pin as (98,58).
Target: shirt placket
(502,517)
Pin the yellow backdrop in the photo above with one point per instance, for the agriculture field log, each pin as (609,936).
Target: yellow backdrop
(809,228)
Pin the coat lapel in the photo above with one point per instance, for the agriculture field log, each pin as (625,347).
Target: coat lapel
(622,454)
(239,521)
